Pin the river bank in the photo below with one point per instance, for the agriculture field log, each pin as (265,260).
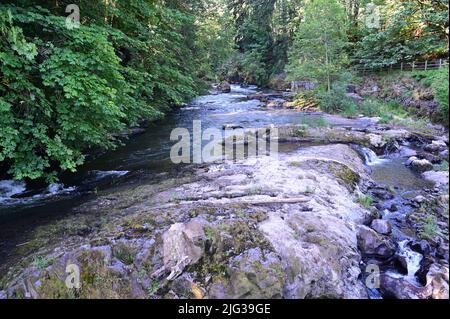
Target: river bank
(338,200)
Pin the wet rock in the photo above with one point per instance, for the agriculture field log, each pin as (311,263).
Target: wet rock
(443,251)
(420,166)
(382,227)
(224,87)
(421,247)
(425,265)
(438,178)
(411,160)
(433,159)
(382,194)
(401,264)
(399,288)
(183,245)
(375,245)
(436,147)
(394,208)
(376,140)
(419,199)
(444,155)
(407,152)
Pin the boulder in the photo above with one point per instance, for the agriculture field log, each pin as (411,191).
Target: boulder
(382,194)
(442,251)
(436,147)
(276,104)
(407,152)
(375,245)
(411,160)
(421,247)
(419,199)
(224,87)
(183,245)
(434,159)
(382,227)
(444,155)
(438,178)
(397,287)
(421,166)
(401,264)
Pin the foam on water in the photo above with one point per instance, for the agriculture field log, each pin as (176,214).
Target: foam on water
(413,260)
(10,188)
(371,157)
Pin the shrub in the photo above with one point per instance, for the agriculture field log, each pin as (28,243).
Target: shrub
(441,92)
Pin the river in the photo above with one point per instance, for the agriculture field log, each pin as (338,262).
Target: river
(24,209)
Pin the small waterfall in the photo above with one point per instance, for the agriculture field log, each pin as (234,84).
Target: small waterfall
(371,157)
(413,260)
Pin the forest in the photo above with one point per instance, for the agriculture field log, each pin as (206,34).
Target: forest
(66,90)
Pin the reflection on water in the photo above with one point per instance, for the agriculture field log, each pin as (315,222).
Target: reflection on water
(394,173)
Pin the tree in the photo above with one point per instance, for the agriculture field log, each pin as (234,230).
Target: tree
(409,30)
(65,91)
(318,50)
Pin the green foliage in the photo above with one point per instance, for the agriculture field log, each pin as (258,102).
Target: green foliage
(442,167)
(64,91)
(336,99)
(441,93)
(409,30)
(42,262)
(430,227)
(317,52)
(365,200)
(153,288)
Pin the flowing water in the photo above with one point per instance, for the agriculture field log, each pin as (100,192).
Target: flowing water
(392,173)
